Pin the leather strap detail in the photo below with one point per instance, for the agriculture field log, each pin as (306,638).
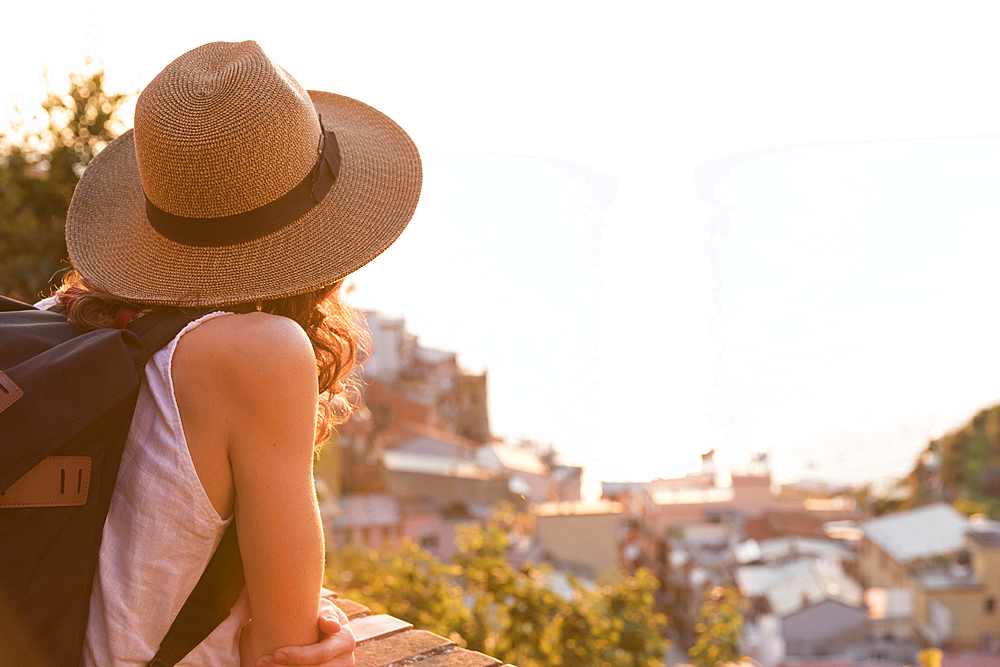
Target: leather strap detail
(9,392)
(57,481)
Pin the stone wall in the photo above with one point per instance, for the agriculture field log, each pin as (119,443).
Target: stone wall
(386,641)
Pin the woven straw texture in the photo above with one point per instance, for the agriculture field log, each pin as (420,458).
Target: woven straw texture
(220,131)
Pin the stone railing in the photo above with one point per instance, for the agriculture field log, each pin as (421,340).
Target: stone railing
(386,641)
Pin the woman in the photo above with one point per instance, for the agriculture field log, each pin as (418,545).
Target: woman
(242,197)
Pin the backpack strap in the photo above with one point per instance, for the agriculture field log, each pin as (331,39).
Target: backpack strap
(7,304)
(209,604)
(221,584)
(158,328)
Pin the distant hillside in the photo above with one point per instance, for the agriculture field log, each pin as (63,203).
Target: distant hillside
(962,467)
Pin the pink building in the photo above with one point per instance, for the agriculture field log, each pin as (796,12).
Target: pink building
(369,520)
(434,529)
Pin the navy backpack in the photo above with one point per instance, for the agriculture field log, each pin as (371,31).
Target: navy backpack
(66,403)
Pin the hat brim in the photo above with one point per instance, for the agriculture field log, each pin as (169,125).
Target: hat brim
(112,244)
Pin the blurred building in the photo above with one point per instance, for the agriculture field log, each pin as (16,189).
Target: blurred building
(408,383)
(726,528)
(895,544)
(434,528)
(365,520)
(937,570)
(956,605)
(567,482)
(441,480)
(527,475)
(472,418)
(806,604)
(890,614)
(582,537)
(415,438)
(740,496)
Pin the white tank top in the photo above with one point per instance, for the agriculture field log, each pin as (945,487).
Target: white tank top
(161,532)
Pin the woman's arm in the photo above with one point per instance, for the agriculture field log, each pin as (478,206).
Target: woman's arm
(256,376)
(335,649)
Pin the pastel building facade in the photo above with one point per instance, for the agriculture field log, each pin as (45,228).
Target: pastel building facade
(583,537)
(959,606)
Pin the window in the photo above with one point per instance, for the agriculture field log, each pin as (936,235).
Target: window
(989,605)
(429,542)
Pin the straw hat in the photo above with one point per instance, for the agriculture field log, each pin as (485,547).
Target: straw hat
(237,185)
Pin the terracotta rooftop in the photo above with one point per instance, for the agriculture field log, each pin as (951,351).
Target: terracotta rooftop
(781,524)
(386,641)
(408,430)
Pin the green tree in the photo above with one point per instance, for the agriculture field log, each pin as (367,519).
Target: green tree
(408,583)
(39,169)
(966,462)
(485,604)
(719,628)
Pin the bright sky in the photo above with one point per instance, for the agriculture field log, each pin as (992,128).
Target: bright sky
(662,226)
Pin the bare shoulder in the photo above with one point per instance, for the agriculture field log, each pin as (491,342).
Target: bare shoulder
(248,343)
(250,333)
(239,355)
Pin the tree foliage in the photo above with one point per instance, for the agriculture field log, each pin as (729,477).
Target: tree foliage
(967,463)
(483,603)
(719,628)
(39,169)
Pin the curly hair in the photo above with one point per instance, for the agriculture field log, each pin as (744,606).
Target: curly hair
(337,333)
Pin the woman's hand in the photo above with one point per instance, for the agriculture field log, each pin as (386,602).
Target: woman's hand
(335,649)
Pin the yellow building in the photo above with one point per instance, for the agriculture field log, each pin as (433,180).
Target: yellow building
(896,544)
(956,606)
